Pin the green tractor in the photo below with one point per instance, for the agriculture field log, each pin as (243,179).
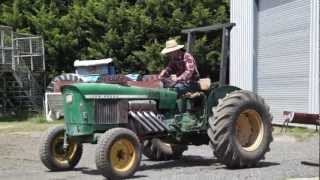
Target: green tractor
(127,121)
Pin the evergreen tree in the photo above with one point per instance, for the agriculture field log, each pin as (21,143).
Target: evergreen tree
(132,32)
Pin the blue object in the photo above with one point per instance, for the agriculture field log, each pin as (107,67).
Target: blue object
(92,70)
(133,77)
(92,73)
(90,78)
(112,70)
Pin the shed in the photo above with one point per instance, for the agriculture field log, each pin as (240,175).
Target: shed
(274,52)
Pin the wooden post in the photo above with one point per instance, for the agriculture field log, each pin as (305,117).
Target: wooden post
(224,57)
(2,47)
(12,52)
(190,42)
(4,94)
(31,54)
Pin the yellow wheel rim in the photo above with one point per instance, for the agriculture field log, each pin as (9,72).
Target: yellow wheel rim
(122,155)
(59,154)
(249,130)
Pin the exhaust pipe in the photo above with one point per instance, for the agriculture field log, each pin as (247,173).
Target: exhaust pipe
(137,118)
(153,121)
(151,115)
(150,124)
(149,121)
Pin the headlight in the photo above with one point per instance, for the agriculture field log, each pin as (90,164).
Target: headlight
(69,98)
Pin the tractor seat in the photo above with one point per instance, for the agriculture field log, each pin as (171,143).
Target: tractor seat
(204,84)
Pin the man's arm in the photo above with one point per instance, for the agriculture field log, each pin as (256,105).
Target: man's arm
(190,68)
(167,71)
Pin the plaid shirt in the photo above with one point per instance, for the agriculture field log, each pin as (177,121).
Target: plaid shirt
(184,67)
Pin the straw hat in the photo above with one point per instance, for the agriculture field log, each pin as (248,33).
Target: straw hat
(171,45)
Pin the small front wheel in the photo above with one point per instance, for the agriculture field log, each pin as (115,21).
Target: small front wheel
(52,154)
(118,154)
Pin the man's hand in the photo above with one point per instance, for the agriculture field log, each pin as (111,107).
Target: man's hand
(161,74)
(174,78)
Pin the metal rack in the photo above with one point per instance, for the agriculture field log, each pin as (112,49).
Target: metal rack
(22,72)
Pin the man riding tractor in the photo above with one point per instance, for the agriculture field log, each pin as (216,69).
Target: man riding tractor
(182,69)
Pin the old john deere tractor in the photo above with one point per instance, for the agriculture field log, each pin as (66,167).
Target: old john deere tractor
(127,121)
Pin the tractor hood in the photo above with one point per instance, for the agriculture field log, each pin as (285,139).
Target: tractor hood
(165,97)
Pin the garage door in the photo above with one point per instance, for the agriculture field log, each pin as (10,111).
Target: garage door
(282,66)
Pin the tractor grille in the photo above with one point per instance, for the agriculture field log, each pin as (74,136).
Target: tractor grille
(110,111)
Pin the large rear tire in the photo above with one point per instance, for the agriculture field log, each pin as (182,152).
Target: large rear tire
(118,154)
(52,154)
(240,130)
(156,150)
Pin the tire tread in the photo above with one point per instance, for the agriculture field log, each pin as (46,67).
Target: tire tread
(220,129)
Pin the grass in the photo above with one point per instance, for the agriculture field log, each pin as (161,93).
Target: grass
(20,124)
(24,124)
(23,117)
(298,133)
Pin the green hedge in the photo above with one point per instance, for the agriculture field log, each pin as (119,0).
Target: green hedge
(131,32)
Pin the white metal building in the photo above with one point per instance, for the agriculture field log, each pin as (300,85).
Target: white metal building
(275,52)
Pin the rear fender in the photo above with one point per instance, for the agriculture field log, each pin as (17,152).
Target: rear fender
(216,94)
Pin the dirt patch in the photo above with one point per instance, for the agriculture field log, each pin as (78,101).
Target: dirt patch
(20,160)
(285,138)
(6,126)
(25,126)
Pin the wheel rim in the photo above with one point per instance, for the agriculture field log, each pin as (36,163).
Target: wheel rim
(249,130)
(59,154)
(123,155)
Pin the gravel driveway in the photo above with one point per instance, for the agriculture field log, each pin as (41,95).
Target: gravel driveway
(19,160)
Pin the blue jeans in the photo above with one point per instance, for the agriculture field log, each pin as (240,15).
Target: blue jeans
(182,88)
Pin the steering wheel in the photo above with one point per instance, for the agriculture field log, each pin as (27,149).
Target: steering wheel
(168,82)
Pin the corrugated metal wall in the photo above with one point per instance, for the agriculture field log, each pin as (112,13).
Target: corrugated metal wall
(314,89)
(283,53)
(275,52)
(241,43)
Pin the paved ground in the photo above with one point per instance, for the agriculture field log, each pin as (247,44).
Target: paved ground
(19,160)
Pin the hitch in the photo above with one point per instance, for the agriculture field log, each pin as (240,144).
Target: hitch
(65,142)
(302,118)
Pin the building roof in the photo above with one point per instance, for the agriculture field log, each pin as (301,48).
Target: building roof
(80,63)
